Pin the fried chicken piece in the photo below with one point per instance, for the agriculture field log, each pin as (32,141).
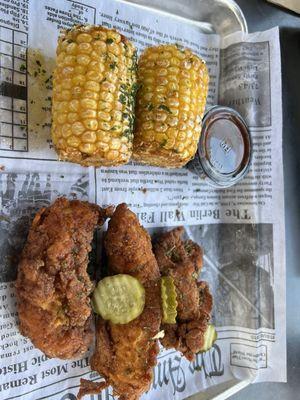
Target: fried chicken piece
(182,260)
(53,286)
(126,354)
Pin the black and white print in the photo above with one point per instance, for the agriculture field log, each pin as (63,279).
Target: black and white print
(239,266)
(21,196)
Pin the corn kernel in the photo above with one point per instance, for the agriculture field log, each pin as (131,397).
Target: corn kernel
(91,124)
(112,154)
(104,125)
(78,80)
(89,137)
(69,60)
(88,113)
(61,118)
(94,76)
(87,148)
(66,130)
(115,144)
(85,48)
(67,84)
(74,105)
(72,117)
(90,95)
(104,116)
(71,48)
(89,104)
(84,38)
(83,59)
(104,106)
(78,128)
(73,141)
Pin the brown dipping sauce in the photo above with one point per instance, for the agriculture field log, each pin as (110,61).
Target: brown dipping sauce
(224,150)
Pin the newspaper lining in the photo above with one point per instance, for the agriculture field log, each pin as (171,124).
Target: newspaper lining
(241,229)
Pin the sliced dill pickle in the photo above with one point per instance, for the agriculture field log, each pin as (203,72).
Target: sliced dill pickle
(169,300)
(210,336)
(119,298)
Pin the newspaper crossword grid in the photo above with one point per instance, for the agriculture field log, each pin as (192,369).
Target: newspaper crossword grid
(13,90)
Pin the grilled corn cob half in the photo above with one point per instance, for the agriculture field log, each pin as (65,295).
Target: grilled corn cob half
(170,105)
(94,86)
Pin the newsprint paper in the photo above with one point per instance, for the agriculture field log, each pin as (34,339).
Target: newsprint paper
(241,229)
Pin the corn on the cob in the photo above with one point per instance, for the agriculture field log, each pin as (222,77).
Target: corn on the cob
(94,88)
(170,105)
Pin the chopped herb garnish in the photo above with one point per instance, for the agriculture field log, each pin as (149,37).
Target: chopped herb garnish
(188,246)
(35,73)
(109,41)
(48,80)
(122,98)
(179,47)
(43,71)
(113,65)
(38,63)
(128,133)
(163,143)
(134,88)
(197,368)
(22,67)
(149,106)
(165,108)
(195,275)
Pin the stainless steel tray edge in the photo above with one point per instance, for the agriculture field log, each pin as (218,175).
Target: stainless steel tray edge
(223,17)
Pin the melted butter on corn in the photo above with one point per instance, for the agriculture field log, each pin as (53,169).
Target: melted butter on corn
(170,105)
(94,86)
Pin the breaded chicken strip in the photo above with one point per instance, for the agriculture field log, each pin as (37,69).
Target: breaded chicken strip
(183,261)
(53,286)
(126,354)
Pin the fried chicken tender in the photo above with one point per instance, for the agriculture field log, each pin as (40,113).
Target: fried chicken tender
(183,260)
(53,286)
(126,354)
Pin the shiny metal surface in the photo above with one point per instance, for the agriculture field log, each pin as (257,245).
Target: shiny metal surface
(211,16)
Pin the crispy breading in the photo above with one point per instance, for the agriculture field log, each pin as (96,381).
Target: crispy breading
(53,286)
(126,354)
(183,261)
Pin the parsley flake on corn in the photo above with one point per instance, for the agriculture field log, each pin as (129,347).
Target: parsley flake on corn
(94,87)
(170,105)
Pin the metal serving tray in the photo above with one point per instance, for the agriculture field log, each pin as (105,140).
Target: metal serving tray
(210,16)
(223,17)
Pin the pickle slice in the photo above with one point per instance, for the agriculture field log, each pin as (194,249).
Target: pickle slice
(119,298)
(210,336)
(169,300)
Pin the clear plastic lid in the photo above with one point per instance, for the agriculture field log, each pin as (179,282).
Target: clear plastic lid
(224,149)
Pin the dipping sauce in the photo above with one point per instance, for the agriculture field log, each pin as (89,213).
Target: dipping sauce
(224,150)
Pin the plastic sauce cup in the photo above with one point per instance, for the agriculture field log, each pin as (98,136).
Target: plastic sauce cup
(224,150)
